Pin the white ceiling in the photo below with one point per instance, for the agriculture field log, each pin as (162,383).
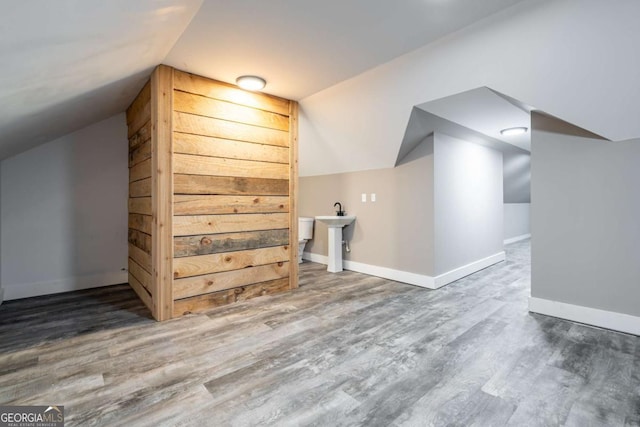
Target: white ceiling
(65,64)
(301,47)
(486,112)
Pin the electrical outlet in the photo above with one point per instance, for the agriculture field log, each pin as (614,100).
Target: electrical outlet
(373,197)
(364,197)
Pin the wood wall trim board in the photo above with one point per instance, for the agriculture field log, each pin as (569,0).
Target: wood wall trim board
(140,240)
(190,164)
(191,83)
(187,143)
(140,119)
(212,224)
(140,153)
(141,222)
(228,242)
(215,263)
(142,293)
(143,135)
(141,257)
(217,128)
(141,188)
(517,239)
(200,285)
(203,106)
(138,104)
(216,205)
(140,205)
(293,192)
(162,81)
(143,276)
(620,322)
(225,185)
(217,299)
(140,171)
(465,270)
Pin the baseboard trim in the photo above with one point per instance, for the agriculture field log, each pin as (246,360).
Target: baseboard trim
(27,290)
(517,238)
(415,279)
(1,295)
(465,270)
(591,316)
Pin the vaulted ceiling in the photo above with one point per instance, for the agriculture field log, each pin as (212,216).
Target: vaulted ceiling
(68,63)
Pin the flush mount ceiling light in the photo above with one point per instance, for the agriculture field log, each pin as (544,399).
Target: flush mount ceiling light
(514,131)
(251,82)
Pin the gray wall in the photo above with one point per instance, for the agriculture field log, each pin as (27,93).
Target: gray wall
(585,219)
(517,177)
(517,219)
(396,231)
(63,212)
(468,202)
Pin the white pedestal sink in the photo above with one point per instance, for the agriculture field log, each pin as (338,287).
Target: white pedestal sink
(335,225)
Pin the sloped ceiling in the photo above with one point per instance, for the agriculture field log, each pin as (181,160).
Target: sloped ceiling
(68,63)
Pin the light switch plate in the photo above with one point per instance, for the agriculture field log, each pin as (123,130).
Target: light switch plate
(364,197)
(373,197)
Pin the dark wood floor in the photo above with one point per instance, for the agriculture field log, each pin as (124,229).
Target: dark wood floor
(344,349)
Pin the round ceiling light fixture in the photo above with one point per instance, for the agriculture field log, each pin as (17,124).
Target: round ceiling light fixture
(251,82)
(514,131)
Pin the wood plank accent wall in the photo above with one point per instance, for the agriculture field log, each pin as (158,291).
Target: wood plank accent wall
(212,187)
(235,169)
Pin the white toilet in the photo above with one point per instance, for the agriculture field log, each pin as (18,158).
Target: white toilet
(305,232)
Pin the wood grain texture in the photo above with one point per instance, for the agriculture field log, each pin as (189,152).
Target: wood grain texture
(342,350)
(142,275)
(200,285)
(140,119)
(161,188)
(293,192)
(140,153)
(226,185)
(141,136)
(216,147)
(217,128)
(141,257)
(141,291)
(140,240)
(216,299)
(227,242)
(203,165)
(214,89)
(138,104)
(141,188)
(141,222)
(207,264)
(215,205)
(140,171)
(210,224)
(204,106)
(140,205)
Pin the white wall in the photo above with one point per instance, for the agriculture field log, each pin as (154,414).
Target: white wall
(547,54)
(585,224)
(517,221)
(467,201)
(63,212)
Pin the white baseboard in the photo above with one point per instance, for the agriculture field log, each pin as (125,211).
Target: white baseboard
(590,316)
(27,290)
(465,270)
(416,279)
(517,238)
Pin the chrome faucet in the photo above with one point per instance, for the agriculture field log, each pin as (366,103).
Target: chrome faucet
(340,212)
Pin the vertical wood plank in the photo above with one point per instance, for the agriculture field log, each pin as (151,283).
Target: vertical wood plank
(293,193)
(162,190)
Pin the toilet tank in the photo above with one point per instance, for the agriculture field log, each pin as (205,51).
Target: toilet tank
(305,228)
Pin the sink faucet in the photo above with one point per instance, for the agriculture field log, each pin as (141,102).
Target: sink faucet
(340,212)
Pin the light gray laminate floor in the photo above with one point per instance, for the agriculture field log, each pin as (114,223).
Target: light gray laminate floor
(344,349)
